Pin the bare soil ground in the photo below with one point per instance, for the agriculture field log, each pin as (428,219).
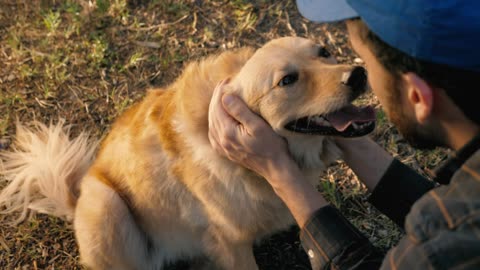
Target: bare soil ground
(86,61)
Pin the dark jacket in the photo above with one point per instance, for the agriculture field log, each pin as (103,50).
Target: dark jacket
(441,222)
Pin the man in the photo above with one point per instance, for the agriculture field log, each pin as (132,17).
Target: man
(424,67)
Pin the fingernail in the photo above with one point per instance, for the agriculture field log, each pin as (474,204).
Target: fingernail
(227,100)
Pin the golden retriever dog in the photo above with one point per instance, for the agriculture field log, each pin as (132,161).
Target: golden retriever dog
(155,191)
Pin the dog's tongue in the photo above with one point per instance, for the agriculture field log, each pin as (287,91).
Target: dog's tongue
(341,119)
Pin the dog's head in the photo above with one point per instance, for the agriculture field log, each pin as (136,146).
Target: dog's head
(295,85)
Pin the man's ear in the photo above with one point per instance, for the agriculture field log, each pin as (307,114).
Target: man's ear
(420,95)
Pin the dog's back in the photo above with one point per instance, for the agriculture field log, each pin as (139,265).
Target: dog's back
(156,191)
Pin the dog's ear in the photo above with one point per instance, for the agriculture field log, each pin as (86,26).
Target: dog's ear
(233,86)
(237,87)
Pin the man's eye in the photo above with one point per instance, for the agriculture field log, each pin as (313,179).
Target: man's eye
(288,79)
(322,52)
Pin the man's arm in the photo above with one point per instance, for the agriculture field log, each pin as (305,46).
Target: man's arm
(395,187)
(245,138)
(366,158)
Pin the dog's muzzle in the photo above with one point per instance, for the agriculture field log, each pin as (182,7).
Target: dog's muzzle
(356,80)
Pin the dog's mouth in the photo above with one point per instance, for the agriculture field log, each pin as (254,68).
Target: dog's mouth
(349,121)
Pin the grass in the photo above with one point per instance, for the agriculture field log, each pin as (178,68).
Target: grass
(87,61)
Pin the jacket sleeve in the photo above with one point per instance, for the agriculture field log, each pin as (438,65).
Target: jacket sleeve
(332,242)
(399,188)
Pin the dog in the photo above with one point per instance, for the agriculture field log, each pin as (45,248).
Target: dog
(155,191)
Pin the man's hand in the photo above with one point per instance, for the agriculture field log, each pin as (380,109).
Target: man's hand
(242,136)
(245,138)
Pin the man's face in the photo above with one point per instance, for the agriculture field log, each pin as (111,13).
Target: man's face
(392,95)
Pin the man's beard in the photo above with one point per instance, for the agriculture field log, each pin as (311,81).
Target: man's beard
(416,135)
(427,136)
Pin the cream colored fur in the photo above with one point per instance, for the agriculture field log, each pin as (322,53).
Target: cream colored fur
(156,190)
(43,171)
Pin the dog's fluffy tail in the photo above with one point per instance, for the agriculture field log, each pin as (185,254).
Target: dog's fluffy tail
(42,171)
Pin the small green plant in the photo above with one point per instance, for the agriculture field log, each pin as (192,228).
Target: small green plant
(98,50)
(4,125)
(248,23)
(26,71)
(207,34)
(329,190)
(74,21)
(118,9)
(245,17)
(47,92)
(12,100)
(51,21)
(381,118)
(135,60)
(55,69)
(103,6)
(123,105)
(14,43)
(72,7)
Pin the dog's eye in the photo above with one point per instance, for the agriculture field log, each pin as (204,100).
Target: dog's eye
(288,79)
(322,52)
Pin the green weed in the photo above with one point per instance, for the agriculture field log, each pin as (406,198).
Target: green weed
(52,21)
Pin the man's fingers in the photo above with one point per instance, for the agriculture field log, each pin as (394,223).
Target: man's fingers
(222,127)
(225,144)
(218,91)
(215,110)
(240,112)
(217,116)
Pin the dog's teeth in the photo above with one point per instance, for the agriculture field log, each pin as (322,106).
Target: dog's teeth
(358,61)
(355,125)
(318,119)
(345,77)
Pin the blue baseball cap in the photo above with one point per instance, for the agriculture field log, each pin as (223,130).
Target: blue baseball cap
(439,31)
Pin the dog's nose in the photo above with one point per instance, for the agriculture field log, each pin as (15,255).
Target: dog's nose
(357,80)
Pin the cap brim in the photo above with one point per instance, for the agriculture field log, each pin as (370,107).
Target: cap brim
(325,10)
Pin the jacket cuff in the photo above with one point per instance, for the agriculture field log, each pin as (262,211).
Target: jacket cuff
(331,240)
